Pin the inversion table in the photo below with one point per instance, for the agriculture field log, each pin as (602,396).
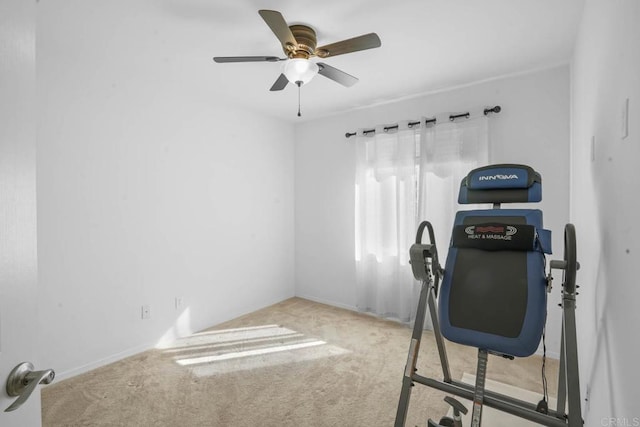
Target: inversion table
(494,297)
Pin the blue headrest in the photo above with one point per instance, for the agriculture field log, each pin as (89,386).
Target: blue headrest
(504,183)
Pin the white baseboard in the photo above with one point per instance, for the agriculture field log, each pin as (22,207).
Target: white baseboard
(550,354)
(102,362)
(327,302)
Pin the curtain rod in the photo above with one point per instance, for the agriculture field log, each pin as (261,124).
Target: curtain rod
(452,117)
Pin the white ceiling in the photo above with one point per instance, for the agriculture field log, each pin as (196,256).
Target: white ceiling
(427,45)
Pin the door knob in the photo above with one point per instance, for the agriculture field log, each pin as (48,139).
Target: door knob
(23,380)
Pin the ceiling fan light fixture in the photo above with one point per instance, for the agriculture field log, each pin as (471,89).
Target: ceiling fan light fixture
(300,70)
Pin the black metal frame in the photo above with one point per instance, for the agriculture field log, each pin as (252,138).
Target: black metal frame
(427,269)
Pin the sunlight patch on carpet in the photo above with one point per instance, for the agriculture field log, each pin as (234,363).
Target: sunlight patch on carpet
(230,336)
(248,353)
(240,349)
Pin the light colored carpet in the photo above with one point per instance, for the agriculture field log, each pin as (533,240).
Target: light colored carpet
(296,363)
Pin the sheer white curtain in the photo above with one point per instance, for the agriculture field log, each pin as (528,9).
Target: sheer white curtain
(447,154)
(403,177)
(386,215)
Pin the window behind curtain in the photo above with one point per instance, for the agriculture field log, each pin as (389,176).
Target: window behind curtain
(402,178)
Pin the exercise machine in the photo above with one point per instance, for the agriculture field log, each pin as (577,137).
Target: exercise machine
(493,296)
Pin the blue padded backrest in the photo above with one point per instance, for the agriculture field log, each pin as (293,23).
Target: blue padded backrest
(502,183)
(496,299)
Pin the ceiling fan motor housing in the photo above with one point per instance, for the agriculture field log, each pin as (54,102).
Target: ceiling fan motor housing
(306,38)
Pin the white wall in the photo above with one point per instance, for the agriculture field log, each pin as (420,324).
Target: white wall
(533,128)
(604,207)
(149,188)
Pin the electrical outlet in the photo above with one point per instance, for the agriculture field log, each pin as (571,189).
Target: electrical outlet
(179,303)
(146,312)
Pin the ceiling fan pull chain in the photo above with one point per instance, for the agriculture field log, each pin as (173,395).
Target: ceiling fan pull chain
(299,83)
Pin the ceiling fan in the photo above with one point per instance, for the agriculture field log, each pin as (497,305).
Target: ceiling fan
(299,45)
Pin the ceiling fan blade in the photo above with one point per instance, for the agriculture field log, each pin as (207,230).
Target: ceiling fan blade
(363,42)
(337,75)
(222,59)
(278,25)
(280,84)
